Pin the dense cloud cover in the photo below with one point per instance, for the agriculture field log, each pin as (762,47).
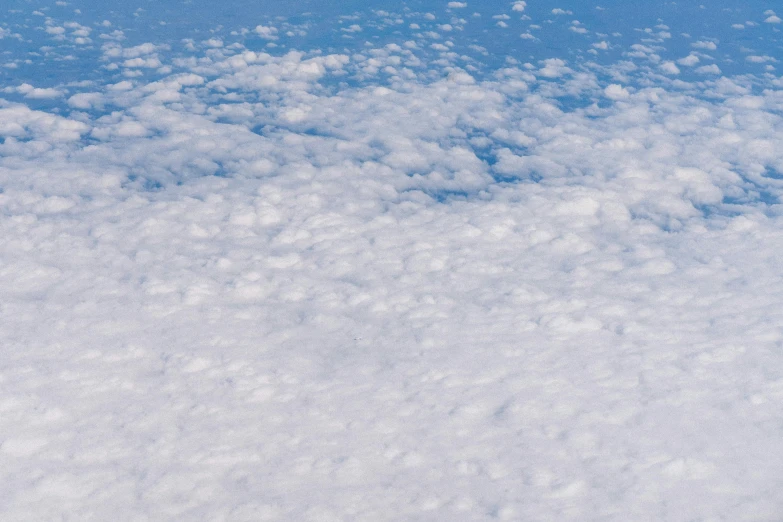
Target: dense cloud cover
(370,276)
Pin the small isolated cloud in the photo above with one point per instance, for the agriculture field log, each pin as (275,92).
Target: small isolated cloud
(774,19)
(760,59)
(519,6)
(55,30)
(457,5)
(601,45)
(616,92)
(708,69)
(558,11)
(266,32)
(527,36)
(689,61)
(737,26)
(669,68)
(704,44)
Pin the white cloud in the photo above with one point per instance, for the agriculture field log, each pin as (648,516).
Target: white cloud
(457,5)
(266,32)
(554,68)
(558,11)
(616,92)
(35,93)
(669,68)
(704,44)
(149,62)
(55,30)
(85,100)
(689,61)
(773,19)
(708,69)
(760,59)
(518,6)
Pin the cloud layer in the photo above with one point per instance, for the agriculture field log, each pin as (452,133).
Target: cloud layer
(261,285)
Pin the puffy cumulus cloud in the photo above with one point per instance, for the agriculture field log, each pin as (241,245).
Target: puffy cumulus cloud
(114,50)
(669,68)
(708,69)
(266,32)
(773,19)
(689,61)
(616,92)
(576,26)
(35,93)
(385,295)
(760,59)
(86,100)
(704,44)
(553,68)
(518,6)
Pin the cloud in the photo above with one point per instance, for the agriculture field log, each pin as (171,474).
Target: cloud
(708,69)
(669,68)
(576,27)
(384,278)
(553,68)
(760,59)
(704,44)
(773,19)
(616,92)
(35,93)
(689,61)
(518,6)
(266,32)
(86,100)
